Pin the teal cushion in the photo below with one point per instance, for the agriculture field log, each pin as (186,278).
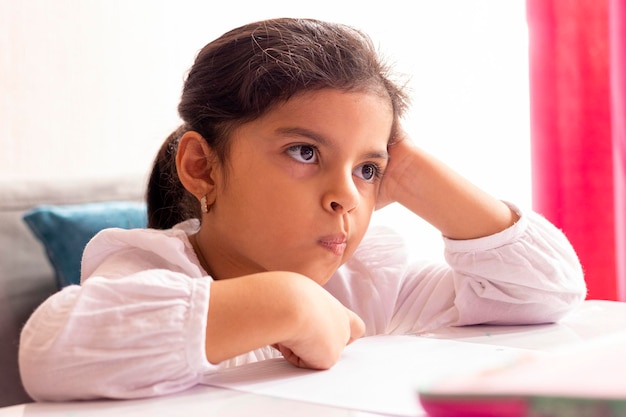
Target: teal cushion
(65,230)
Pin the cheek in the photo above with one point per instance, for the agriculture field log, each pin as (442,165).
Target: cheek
(360,223)
(367,202)
(271,203)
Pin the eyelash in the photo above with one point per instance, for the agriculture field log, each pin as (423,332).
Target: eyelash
(377,174)
(299,147)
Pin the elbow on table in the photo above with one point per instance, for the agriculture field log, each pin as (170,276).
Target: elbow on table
(48,369)
(38,377)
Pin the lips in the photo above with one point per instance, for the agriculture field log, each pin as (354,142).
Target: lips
(335,244)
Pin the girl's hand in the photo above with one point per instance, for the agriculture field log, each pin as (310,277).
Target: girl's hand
(399,152)
(286,310)
(433,191)
(320,343)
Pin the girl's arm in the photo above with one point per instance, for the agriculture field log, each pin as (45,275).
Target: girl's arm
(430,189)
(501,268)
(287,310)
(154,332)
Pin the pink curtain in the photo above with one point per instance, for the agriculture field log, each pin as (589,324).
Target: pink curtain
(617,37)
(577,67)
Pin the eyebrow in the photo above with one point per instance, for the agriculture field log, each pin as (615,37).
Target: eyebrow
(298,131)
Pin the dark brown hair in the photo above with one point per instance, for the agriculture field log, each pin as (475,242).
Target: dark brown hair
(242,74)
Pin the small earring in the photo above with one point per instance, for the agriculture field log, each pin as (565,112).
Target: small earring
(203,205)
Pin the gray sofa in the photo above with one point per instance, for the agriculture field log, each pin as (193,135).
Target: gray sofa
(26,275)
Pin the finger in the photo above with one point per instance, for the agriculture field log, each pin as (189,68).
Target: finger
(292,358)
(357,327)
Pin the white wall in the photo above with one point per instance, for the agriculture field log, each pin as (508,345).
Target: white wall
(90,87)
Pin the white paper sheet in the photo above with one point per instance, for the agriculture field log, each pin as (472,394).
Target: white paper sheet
(379,374)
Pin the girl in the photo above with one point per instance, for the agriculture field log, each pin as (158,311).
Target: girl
(258,243)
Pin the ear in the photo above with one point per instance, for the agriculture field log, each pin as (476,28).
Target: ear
(197,166)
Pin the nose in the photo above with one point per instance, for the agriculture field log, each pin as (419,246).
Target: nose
(342,195)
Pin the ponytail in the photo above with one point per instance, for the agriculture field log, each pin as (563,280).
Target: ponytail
(169,203)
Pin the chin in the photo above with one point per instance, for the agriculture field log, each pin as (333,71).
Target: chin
(320,272)
(322,277)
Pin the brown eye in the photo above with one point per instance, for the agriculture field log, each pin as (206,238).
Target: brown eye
(303,153)
(368,172)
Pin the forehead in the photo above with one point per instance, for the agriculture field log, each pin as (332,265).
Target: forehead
(334,113)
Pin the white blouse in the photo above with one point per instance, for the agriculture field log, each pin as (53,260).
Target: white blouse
(135,327)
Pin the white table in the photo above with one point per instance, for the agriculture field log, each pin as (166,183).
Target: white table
(592,320)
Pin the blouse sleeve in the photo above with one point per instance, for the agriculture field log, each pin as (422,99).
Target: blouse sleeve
(526,274)
(126,332)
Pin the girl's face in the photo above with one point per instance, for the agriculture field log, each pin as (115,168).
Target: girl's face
(300,186)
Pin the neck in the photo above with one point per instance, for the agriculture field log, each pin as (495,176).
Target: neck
(195,243)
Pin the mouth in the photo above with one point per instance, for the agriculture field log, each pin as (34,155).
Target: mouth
(336,244)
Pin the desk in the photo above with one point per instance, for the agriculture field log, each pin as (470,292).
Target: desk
(593,319)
